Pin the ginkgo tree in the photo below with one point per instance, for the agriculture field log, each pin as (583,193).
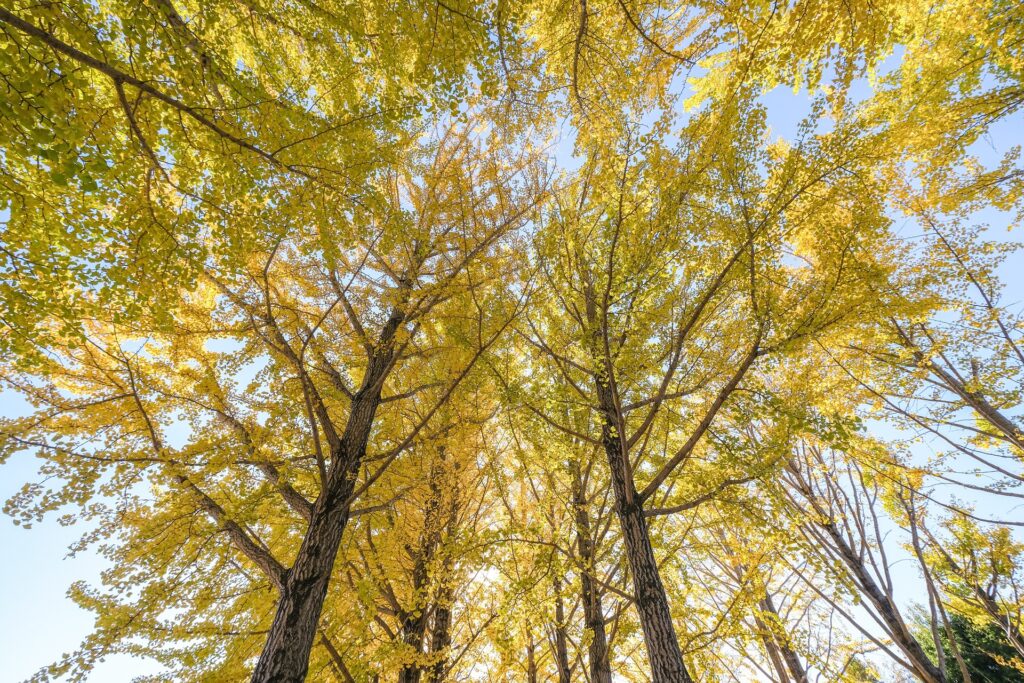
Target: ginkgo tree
(411,290)
(500,341)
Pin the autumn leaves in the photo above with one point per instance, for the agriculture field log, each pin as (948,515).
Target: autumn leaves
(356,377)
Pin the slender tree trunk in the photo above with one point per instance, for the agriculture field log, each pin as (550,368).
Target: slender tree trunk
(561,641)
(1012,633)
(784,660)
(791,659)
(990,606)
(593,611)
(651,600)
(898,631)
(1010,431)
(414,622)
(413,629)
(440,637)
(1000,421)
(285,656)
(336,659)
(882,601)
(772,648)
(531,663)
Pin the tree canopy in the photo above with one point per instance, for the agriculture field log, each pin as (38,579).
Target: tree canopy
(458,341)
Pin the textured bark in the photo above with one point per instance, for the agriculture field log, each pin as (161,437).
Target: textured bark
(440,637)
(285,656)
(593,611)
(651,601)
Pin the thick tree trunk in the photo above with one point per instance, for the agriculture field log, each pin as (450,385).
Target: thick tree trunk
(593,611)
(414,623)
(285,656)
(440,637)
(651,600)
(663,650)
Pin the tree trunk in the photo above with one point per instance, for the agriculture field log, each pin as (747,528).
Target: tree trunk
(1006,427)
(285,656)
(950,378)
(531,664)
(1012,633)
(440,637)
(651,600)
(561,641)
(791,659)
(413,629)
(989,604)
(898,630)
(663,651)
(336,660)
(414,622)
(593,611)
(772,648)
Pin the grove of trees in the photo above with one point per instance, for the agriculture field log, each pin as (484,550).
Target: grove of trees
(440,341)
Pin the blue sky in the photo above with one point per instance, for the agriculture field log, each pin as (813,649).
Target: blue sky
(38,622)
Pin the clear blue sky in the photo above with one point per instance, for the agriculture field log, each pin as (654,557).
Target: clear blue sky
(38,622)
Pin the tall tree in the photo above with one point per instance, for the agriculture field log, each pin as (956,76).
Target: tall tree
(260,266)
